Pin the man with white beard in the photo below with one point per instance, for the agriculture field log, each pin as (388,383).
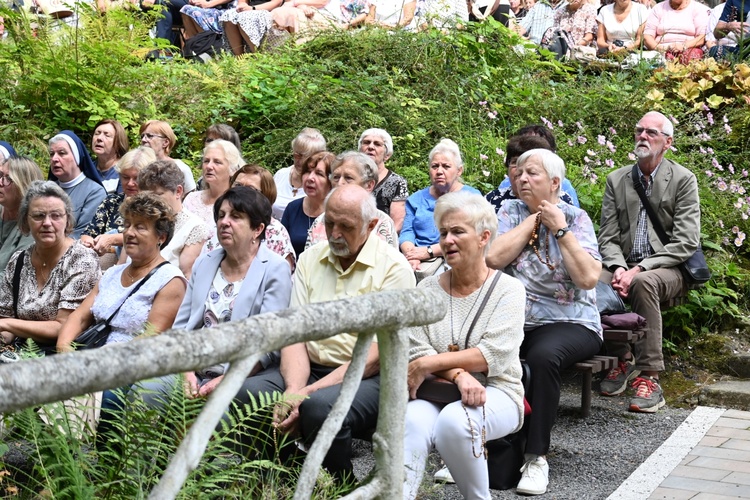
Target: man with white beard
(353,262)
(640,268)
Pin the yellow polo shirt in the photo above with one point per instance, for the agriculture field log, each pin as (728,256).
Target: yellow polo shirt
(320,278)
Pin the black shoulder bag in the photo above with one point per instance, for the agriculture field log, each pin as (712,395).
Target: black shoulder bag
(97,334)
(695,269)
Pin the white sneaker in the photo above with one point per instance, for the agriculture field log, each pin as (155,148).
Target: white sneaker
(444,476)
(534,477)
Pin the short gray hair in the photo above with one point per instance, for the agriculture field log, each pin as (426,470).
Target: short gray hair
(308,142)
(478,211)
(387,139)
(666,124)
(369,209)
(231,153)
(447,147)
(45,189)
(553,164)
(136,159)
(368,170)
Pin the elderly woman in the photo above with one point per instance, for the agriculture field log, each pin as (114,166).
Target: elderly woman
(577,17)
(46,282)
(277,237)
(391,190)
(419,237)
(159,136)
(241,279)
(289,179)
(475,346)
(149,225)
(16,175)
(109,143)
(677,28)
(621,26)
(104,232)
(164,179)
(353,167)
(300,214)
(221,159)
(70,165)
(551,247)
(246,26)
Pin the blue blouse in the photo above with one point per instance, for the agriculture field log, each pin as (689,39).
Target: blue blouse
(297,223)
(419,224)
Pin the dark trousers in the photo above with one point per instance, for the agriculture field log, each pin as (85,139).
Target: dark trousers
(548,350)
(170,9)
(362,415)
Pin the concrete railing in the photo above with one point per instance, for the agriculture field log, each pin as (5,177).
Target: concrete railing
(384,314)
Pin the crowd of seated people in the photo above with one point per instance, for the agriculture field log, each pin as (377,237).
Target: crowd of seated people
(520,267)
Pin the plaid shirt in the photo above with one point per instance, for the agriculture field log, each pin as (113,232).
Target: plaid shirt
(641,246)
(538,20)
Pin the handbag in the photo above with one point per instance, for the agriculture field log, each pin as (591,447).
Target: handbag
(429,267)
(695,269)
(97,334)
(437,389)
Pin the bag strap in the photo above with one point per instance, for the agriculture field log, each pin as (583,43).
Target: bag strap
(135,289)
(17,281)
(649,209)
(481,307)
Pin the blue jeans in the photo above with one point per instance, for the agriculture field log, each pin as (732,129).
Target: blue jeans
(171,11)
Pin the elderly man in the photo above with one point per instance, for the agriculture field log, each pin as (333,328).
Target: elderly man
(391,190)
(642,269)
(352,167)
(352,262)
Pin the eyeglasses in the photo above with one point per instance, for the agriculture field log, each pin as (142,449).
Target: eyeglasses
(148,136)
(651,132)
(42,216)
(5,180)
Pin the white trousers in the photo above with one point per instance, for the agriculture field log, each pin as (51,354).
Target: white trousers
(447,429)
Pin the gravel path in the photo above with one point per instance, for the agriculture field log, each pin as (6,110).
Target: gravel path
(589,458)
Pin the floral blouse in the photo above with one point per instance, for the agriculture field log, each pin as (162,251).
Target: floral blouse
(69,282)
(579,22)
(551,295)
(107,217)
(392,188)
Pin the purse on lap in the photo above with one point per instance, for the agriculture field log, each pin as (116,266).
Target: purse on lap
(97,334)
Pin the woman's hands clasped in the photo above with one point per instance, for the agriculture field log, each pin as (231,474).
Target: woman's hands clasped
(472,391)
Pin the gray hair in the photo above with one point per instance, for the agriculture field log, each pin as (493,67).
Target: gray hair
(231,153)
(553,164)
(666,124)
(478,211)
(366,165)
(387,139)
(163,174)
(45,189)
(308,142)
(447,147)
(136,159)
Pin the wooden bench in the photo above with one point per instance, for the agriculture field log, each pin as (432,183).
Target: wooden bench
(587,368)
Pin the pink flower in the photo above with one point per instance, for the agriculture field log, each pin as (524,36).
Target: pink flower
(483,103)
(547,123)
(727,128)
(612,131)
(586,159)
(709,173)
(570,142)
(722,186)
(735,229)
(744,173)
(611,146)
(705,107)
(591,152)
(674,120)
(482,157)
(710,151)
(631,156)
(500,152)
(744,216)
(737,243)
(486,173)
(560,123)
(730,168)
(721,223)
(601,140)
(725,119)
(578,124)
(594,178)
(725,241)
(716,163)
(710,118)
(581,139)
(492,115)
(610,162)
(702,150)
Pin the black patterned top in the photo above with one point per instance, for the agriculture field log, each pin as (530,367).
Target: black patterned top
(392,188)
(107,217)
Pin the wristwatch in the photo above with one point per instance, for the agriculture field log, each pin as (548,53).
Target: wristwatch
(561,232)
(430,252)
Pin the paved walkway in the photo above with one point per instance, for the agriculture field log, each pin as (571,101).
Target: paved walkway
(707,457)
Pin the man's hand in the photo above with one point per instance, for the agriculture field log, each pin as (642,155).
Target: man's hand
(209,386)
(621,280)
(286,414)
(190,386)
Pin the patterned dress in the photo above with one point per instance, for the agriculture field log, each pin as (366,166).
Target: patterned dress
(392,188)
(107,217)
(207,19)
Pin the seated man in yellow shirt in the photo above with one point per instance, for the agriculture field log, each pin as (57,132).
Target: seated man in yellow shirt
(353,262)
